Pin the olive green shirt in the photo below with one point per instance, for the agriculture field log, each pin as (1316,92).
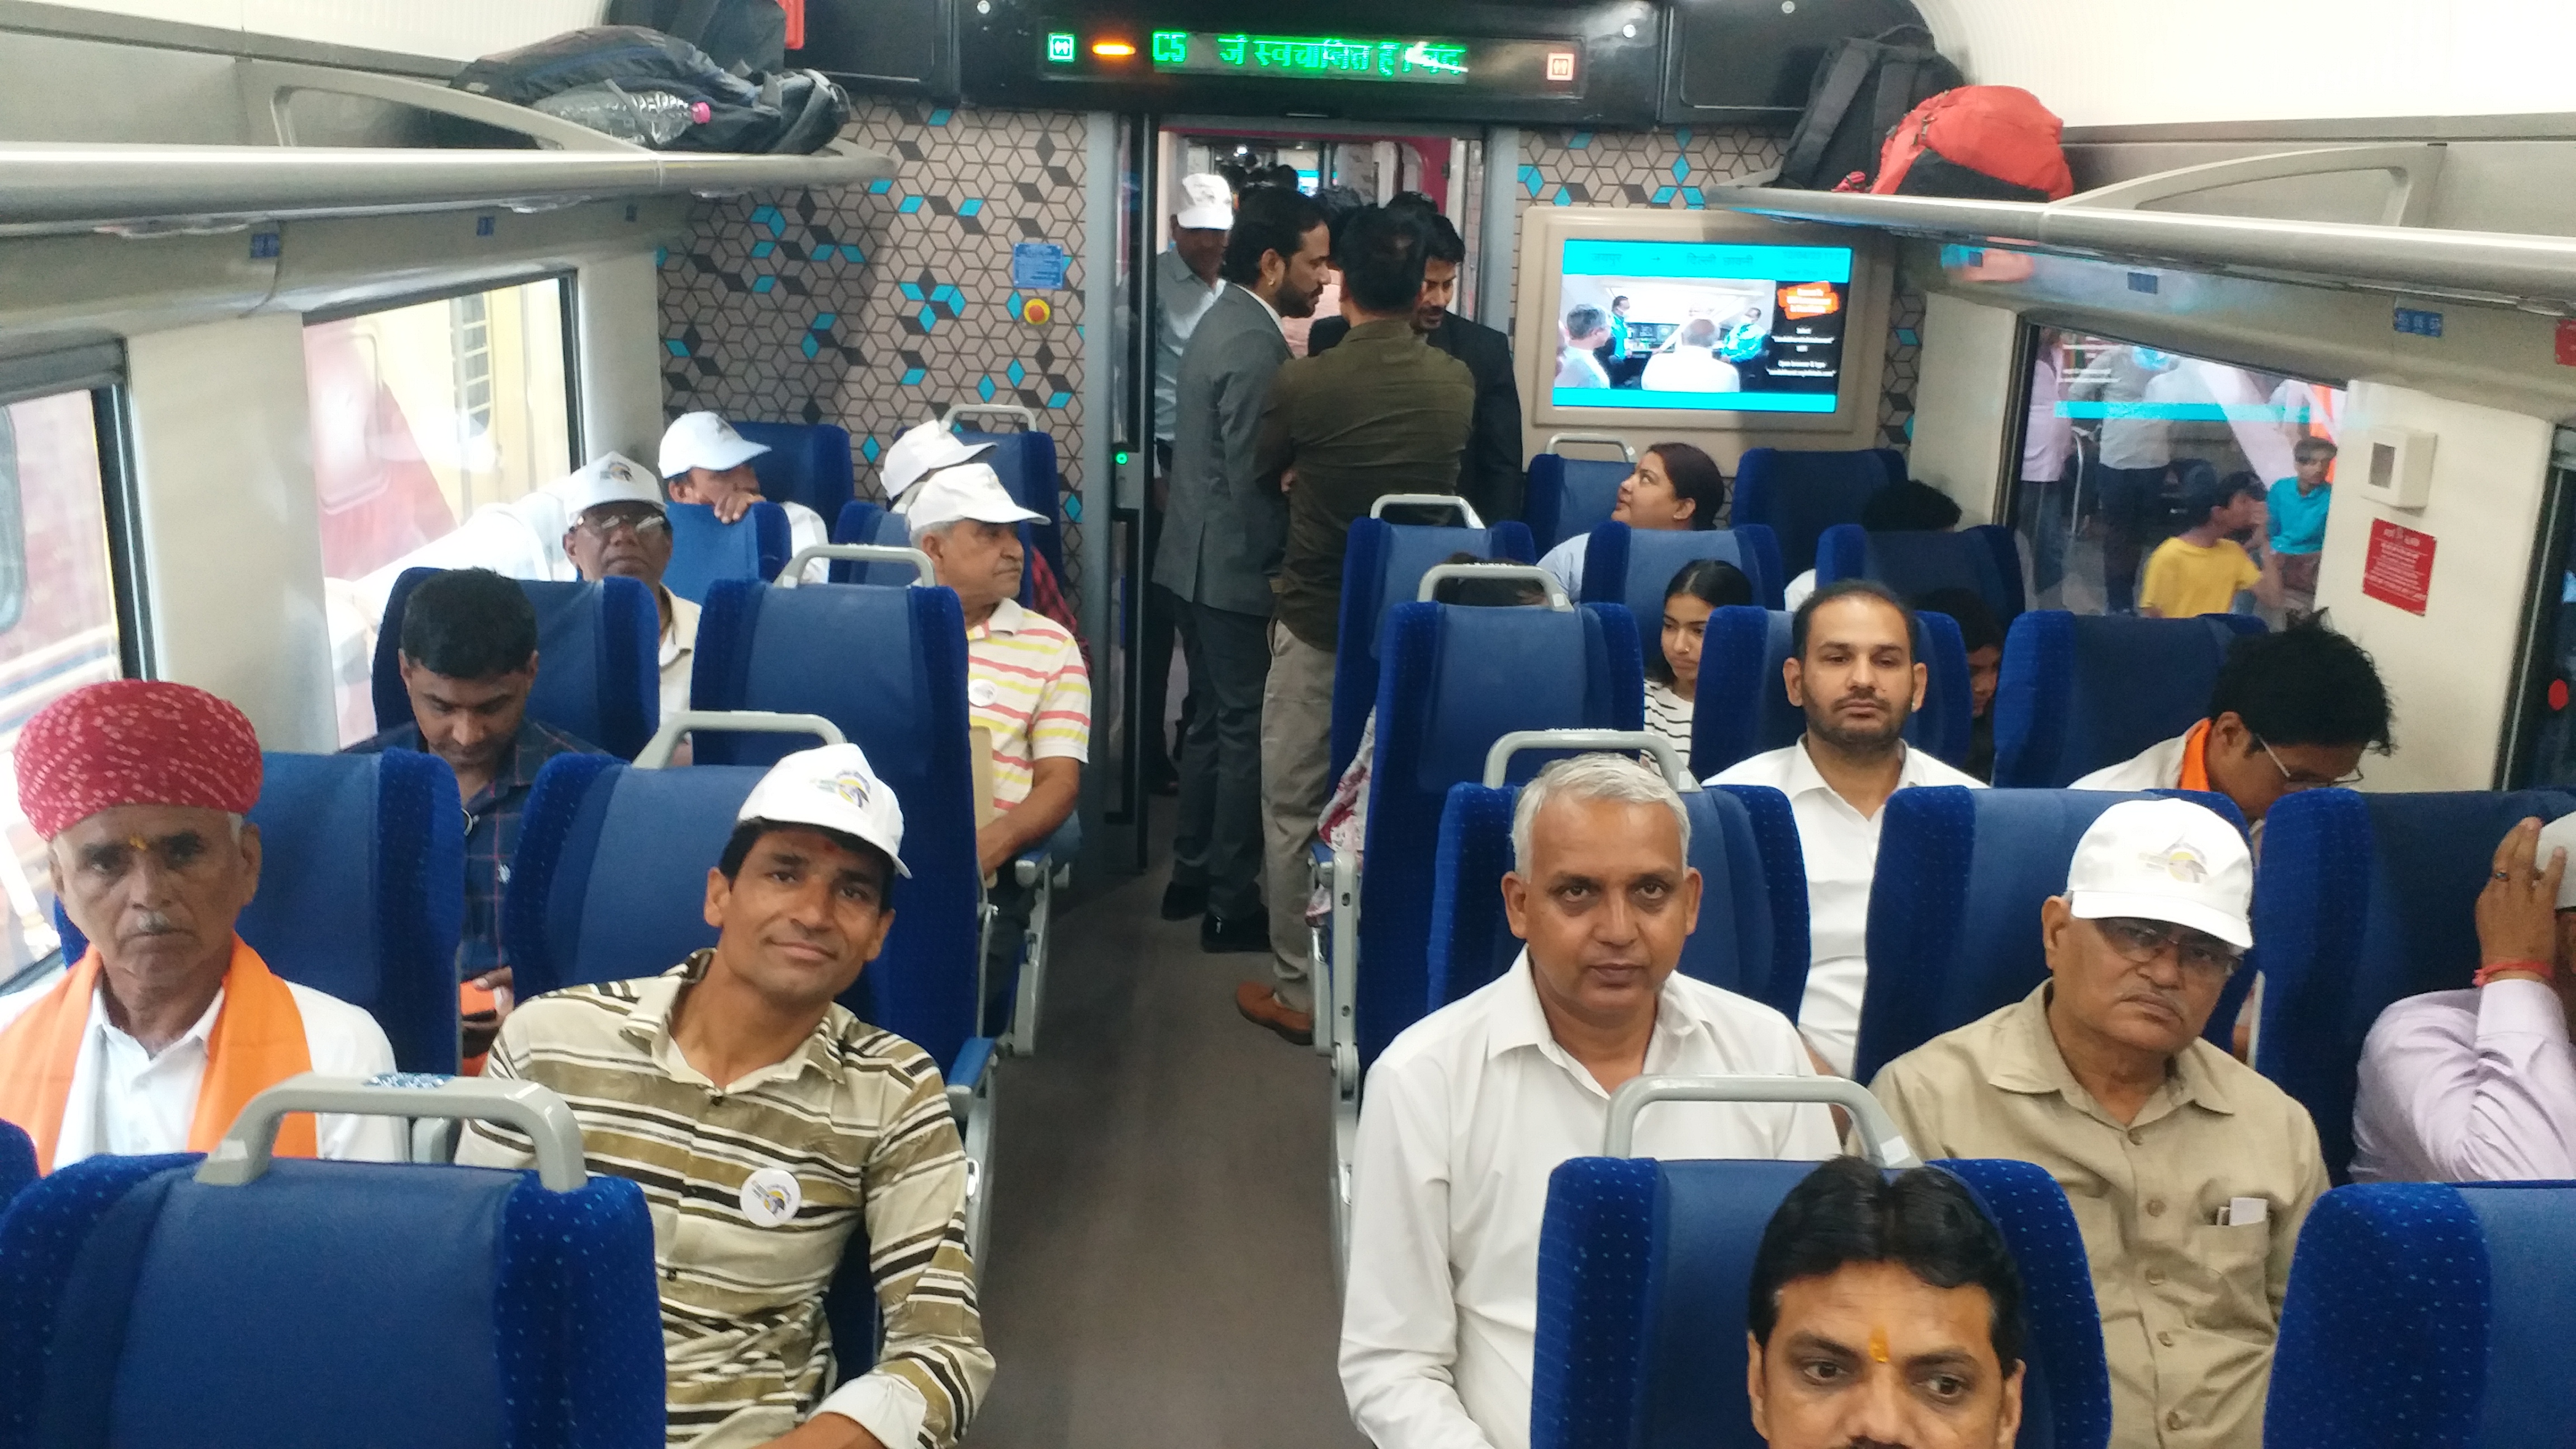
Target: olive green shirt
(2189,1305)
(1381,413)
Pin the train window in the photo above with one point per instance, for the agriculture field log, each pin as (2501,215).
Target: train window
(57,614)
(432,422)
(2117,436)
(2542,752)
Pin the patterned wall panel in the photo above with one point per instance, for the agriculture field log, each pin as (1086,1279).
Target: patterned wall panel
(1672,169)
(874,306)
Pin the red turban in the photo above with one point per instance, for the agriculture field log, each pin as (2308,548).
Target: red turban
(134,742)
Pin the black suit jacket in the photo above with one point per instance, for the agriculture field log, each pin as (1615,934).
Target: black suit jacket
(1489,475)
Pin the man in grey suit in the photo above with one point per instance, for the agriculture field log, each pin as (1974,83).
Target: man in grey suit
(1222,541)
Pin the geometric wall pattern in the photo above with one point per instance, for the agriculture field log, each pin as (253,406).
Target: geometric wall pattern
(874,306)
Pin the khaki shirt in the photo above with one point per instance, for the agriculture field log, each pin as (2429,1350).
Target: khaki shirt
(2189,1306)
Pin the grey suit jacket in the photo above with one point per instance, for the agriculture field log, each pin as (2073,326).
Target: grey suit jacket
(1224,533)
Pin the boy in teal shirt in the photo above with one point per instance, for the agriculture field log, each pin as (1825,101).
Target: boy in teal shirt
(2297,507)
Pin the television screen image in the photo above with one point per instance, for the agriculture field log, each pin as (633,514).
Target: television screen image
(1731,326)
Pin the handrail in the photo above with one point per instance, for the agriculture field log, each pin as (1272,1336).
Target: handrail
(242,1156)
(2416,164)
(268,84)
(1432,577)
(1028,417)
(1880,1141)
(859,553)
(1498,760)
(1465,509)
(1627,450)
(679,723)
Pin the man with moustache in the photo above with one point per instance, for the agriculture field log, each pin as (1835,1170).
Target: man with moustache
(621,530)
(1853,669)
(2189,1173)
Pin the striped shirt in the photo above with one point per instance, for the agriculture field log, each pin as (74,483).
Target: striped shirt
(1026,685)
(1669,715)
(859,1119)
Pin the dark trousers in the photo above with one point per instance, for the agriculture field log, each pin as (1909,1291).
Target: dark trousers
(1012,902)
(1161,627)
(1218,843)
(2133,521)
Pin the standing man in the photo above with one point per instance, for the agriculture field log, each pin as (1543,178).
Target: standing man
(1381,413)
(1618,336)
(620,529)
(705,461)
(1852,669)
(1489,476)
(2137,450)
(1220,546)
(1186,284)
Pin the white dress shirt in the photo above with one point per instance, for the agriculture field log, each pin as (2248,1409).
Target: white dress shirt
(679,652)
(1465,1116)
(1180,300)
(1566,562)
(2467,1086)
(128,1101)
(806,529)
(1689,369)
(1841,846)
(2158,767)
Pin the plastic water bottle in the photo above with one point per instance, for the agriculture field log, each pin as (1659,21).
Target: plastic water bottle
(648,118)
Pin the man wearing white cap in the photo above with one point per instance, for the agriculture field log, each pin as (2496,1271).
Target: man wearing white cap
(2188,1172)
(621,530)
(919,451)
(705,461)
(1186,284)
(822,1126)
(2479,1085)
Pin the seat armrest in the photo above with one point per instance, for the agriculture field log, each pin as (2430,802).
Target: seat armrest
(966,1074)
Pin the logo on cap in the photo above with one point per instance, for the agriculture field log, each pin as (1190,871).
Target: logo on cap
(850,785)
(619,471)
(2181,862)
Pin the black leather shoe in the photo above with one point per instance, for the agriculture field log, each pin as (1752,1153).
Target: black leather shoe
(1243,933)
(1182,900)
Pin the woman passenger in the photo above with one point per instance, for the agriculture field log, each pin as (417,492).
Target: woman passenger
(1676,486)
(1702,587)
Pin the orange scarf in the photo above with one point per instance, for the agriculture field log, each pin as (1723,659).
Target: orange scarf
(2195,758)
(257,1042)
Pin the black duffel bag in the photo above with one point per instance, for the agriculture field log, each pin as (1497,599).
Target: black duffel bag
(748,35)
(789,112)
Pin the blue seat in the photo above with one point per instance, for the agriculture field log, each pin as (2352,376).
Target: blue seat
(401,1305)
(1752,932)
(599,670)
(361,891)
(1382,567)
(2082,691)
(1799,495)
(705,551)
(1645,1268)
(17,1161)
(1954,908)
(1633,566)
(1025,462)
(807,463)
(862,522)
(1742,704)
(2422,1314)
(1986,560)
(1571,496)
(2364,900)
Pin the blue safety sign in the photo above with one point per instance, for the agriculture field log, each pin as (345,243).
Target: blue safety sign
(1037,265)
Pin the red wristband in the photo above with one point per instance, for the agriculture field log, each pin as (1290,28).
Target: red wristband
(2545,970)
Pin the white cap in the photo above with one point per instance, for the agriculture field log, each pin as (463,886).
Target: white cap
(2559,834)
(608,478)
(1207,204)
(703,440)
(830,788)
(2165,860)
(969,490)
(922,450)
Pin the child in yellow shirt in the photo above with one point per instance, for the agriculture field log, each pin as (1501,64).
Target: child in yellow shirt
(2200,570)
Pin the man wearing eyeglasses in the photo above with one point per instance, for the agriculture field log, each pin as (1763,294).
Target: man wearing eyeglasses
(2293,710)
(620,529)
(2189,1174)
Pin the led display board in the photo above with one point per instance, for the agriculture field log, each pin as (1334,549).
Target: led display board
(1540,67)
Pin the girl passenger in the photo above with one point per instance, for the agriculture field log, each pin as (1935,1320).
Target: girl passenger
(1702,587)
(1676,486)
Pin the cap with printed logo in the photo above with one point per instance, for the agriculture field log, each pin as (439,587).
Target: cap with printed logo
(830,788)
(2165,860)
(703,440)
(608,478)
(2559,834)
(969,490)
(922,450)
(1207,204)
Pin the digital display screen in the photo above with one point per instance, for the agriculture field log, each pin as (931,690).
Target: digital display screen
(1546,67)
(1717,326)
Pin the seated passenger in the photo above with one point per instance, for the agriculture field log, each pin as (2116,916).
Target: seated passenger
(1700,588)
(469,657)
(1909,506)
(1688,362)
(1852,670)
(770,1129)
(924,449)
(1897,1311)
(705,461)
(1675,487)
(2479,1085)
(2202,569)
(2291,711)
(1472,1107)
(2189,1173)
(167,1025)
(620,529)
(1983,638)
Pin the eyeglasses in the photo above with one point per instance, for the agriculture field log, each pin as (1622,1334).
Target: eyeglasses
(2139,942)
(2294,780)
(642,525)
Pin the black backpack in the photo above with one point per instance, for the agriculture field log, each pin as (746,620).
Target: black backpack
(748,35)
(1861,90)
(789,112)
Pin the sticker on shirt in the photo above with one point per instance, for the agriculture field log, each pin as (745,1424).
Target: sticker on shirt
(771,1196)
(2244,1212)
(982,692)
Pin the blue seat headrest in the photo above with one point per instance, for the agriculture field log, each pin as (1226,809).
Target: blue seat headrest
(2082,691)
(1569,497)
(1382,567)
(598,660)
(706,551)
(807,463)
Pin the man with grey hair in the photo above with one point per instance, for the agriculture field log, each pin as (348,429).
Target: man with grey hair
(1470,1110)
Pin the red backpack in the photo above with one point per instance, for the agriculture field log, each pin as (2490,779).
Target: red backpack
(1979,143)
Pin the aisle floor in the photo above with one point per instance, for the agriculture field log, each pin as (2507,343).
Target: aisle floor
(1160,1273)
